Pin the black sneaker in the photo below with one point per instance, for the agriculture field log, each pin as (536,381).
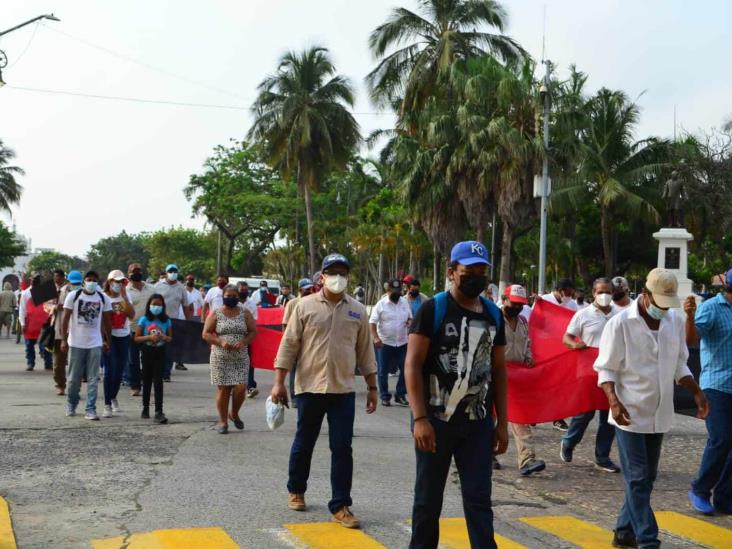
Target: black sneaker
(401,401)
(623,540)
(160,418)
(496,464)
(29,368)
(560,425)
(180,366)
(608,466)
(386,402)
(533,466)
(565,452)
(145,412)
(166,379)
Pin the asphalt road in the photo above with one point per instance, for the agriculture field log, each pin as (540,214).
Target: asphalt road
(69,481)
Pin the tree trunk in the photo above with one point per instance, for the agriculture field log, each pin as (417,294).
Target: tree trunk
(607,252)
(229,254)
(380,270)
(504,275)
(309,219)
(436,270)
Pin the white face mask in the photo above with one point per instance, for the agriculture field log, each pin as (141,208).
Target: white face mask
(115,287)
(604,300)
(566,299)
(336,283)
(172,277)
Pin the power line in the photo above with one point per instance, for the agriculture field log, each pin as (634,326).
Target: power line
(27,46)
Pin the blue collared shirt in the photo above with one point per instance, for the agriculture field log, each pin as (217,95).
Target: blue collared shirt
(713,322)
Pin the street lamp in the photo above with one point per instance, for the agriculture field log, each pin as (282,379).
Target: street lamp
(3,57)
(546,100)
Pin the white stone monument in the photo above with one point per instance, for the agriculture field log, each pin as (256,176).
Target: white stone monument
(673,255)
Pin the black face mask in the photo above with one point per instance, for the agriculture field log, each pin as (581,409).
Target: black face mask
(472,285)
(190,284)
(414,293)
(581,299)
(617,296)
(512,312)
(231,301)
(394,297)
(136,277)
(243,295)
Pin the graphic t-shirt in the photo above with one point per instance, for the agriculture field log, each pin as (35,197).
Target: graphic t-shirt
(120,322)
(85,327)
(457,370)
(155,326)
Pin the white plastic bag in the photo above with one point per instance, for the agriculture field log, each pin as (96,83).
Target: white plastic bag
(275,414)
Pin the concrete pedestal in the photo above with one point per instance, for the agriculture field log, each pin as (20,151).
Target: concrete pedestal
(673,255)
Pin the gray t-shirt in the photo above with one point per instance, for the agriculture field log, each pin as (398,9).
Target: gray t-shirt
(175,296)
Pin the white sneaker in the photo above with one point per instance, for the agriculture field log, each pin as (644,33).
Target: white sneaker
(107,411)
(92,416)
(115,406)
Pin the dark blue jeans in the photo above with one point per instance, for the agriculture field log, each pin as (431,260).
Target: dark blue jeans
(715,471)
(603,440)
(341,412)
(639,457)
(30,354)
(132,373)
(471,443)
(385,357)
(114,363)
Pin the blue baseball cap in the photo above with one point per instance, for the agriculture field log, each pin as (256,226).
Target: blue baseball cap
(171,267)
(305,283)
(729,277)
(75,277)
(470,252)
(334,259)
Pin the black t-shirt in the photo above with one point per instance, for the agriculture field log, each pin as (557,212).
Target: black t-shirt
(457,370)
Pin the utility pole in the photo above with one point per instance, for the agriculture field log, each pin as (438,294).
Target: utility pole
(545,96)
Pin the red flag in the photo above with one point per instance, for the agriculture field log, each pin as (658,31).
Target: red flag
(269,334)
(562,382)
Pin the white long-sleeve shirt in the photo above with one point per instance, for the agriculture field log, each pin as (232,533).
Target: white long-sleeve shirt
(23,304)
(643,364)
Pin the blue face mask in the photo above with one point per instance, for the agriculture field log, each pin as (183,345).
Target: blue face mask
(655,312)
(156,309)
(90,286)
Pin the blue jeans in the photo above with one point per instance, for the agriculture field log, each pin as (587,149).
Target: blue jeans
(114,363)
(385,357)
(603,440)
(471,444)
(639,457)
(83,363)
(341,412)
(132,372)
(715,471)
(30,354)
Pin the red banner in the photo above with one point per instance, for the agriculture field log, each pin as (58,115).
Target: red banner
(269,333)
(562,382)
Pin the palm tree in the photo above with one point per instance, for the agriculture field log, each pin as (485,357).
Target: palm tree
(10,190)
(612,167)
(425,45)
(303,121)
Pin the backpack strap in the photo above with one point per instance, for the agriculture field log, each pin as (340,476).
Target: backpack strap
(77,295)
(491,310)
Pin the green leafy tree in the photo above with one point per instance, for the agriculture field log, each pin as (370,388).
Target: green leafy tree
(10,189)
(48,262)
(10,246)
(117,252)
(303,122)
(416,50)
(191,250)
(244,198)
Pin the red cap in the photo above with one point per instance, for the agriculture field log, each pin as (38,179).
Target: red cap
(408,279)
(516,294)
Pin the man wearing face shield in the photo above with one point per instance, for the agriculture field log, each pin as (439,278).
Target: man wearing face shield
(389,322)
(328,335)
(642,353)
(621,293)
(456,377)
(585,330)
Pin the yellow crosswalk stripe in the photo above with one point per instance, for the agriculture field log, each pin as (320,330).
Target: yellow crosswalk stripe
(454,534)
(330,535)
(696,530)
(7,537)
(573,530)
(176,538)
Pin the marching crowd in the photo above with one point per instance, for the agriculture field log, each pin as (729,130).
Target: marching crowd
(449,354)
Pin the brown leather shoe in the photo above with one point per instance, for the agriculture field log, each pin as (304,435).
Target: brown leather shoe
(135,392)
(346,518)
(296,502)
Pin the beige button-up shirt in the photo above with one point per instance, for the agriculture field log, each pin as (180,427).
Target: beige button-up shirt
(328,341)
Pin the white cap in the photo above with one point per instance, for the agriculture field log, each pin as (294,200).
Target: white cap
(664,288)
(116,275)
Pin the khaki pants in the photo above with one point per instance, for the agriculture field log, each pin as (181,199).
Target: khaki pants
(59,365)
(524,448)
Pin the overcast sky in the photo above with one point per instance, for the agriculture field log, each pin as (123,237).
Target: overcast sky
(95,167)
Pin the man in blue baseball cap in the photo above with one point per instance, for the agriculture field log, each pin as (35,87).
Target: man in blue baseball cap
(176,306)
(456,376)
(712,323)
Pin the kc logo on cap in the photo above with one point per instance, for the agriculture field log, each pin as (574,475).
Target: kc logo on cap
(470,252)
